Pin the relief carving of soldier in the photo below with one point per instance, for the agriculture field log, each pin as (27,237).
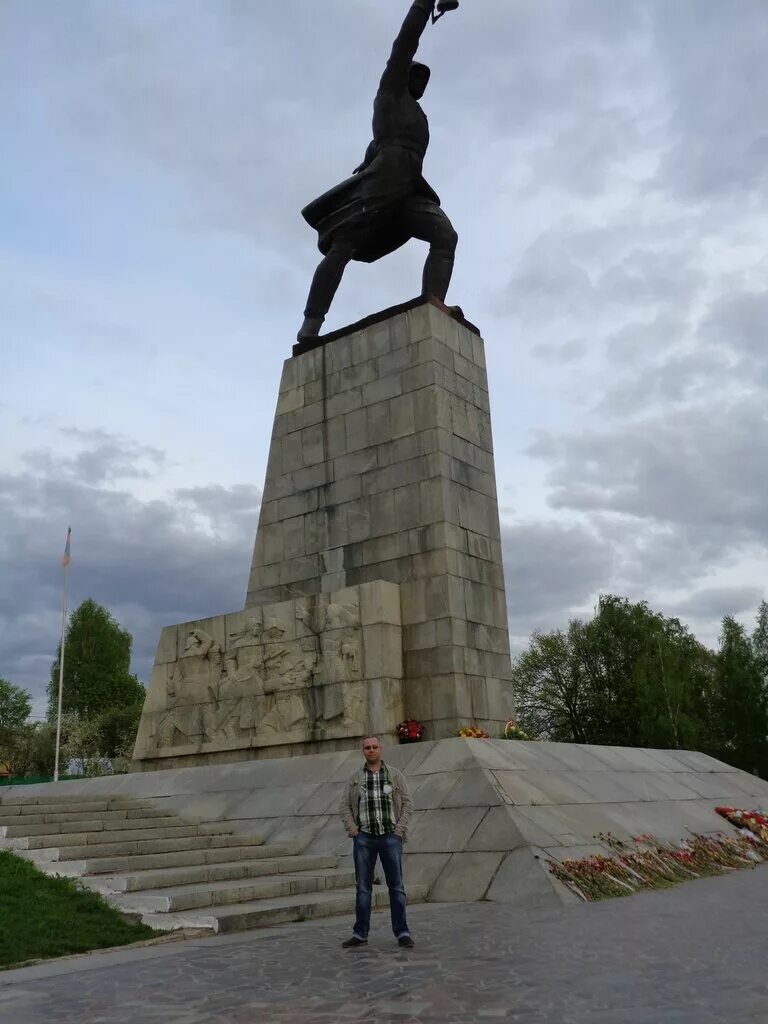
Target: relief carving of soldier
(182,721)
(189,714)
(286,684)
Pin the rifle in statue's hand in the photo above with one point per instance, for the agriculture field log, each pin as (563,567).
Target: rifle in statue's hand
(443,6)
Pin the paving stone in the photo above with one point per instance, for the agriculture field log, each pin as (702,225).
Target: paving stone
(649,959)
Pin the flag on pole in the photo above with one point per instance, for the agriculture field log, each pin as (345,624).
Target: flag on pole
(67,559)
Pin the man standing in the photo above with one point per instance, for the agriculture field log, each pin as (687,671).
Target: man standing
(375,808)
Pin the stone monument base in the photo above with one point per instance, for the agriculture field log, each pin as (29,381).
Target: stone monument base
(488,813)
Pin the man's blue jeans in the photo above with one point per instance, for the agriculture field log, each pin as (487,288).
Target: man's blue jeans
(389,850)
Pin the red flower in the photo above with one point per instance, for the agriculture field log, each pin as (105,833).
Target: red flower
(410,730)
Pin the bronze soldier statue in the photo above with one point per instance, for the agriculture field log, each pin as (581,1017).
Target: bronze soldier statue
(387,201)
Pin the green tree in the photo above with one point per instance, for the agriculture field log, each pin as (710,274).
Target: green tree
(549,687)
(97,662)
(41,751)
(31,750)
(627,677)
(760,640)
(612,648)
(741,703)
(103,745)
(675,675)
(117,730)
(15,706)
(15,709)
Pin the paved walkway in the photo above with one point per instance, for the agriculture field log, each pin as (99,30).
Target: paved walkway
(697,954)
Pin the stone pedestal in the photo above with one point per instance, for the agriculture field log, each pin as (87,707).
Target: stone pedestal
(381,468)
(380,475)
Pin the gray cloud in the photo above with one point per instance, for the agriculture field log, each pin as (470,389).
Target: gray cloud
(104,458)
(566,352)
(686,376)
(713,55)
(701,467)
(151,562)
(551,570)
(740,321)
(716,602)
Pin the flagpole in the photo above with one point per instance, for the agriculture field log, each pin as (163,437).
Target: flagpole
(61,655)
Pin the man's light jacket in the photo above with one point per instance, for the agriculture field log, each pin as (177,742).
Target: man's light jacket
(349,808)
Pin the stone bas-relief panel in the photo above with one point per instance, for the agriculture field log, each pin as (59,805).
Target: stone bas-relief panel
(288,673)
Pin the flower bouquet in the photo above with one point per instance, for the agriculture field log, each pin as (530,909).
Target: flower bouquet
(472,732)
(752,824)
(651,863)
(409,731)
(512,731)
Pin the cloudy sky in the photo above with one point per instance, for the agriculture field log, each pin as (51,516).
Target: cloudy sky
(606,167)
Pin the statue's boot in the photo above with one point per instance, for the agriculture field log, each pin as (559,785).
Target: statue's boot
(310,329)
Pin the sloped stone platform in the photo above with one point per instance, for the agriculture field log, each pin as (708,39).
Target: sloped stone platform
(488,812)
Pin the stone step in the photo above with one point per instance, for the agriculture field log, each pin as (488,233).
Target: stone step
(44,816)
(213,894)
(133,849)
(18,811)
(281,910)
(213,828)
(89,837)
(91,826)
(62,802)
(52,798)
(221,852)
(208,872)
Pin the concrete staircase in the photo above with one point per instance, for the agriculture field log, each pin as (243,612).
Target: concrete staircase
(176,873)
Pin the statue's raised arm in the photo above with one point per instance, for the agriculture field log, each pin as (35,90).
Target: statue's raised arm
(395,77)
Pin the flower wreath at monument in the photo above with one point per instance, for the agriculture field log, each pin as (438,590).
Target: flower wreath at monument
(410,731)
(473,732)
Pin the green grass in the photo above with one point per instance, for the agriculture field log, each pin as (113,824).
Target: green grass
(42,916)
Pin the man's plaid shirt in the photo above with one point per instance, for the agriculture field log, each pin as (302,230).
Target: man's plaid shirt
(377,811)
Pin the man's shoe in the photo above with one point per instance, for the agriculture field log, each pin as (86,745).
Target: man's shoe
(353,942)
(406,942)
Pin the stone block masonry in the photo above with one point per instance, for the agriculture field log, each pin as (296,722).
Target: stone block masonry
(376,590)
(381,468)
